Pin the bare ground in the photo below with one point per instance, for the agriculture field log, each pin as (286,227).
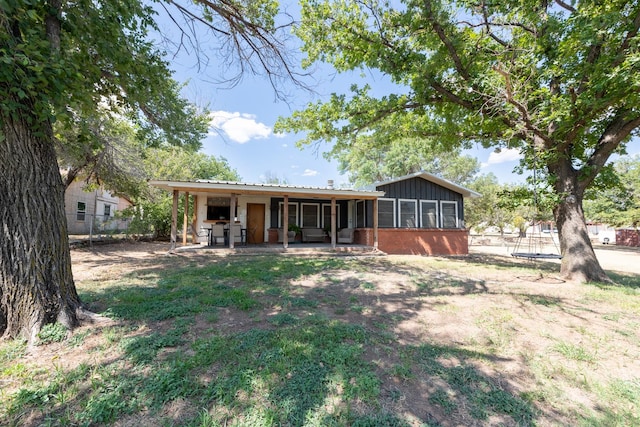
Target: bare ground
(512,316)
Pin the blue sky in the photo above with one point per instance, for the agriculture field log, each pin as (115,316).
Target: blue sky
(243,117)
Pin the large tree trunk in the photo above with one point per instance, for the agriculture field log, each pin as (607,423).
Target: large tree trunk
(36,282)
(579,261)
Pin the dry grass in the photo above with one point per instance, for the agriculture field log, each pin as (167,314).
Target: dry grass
(195,339)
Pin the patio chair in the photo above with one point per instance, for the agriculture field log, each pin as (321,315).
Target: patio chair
(239,234)
(345,235)
(217,234)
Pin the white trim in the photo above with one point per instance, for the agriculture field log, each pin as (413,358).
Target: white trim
(280,211)
(79,212)
(415,213)
(301,216)
(422,213)
(328,205)
(455,205)
(393,210)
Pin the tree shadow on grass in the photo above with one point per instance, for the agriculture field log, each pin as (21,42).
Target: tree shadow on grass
(304,366)
(505,262)
(295,364)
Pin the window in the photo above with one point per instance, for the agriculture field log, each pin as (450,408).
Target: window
(429,214)
(326,216)
(107,212)
(293,214)
(449,214)
(360,214)
(407,213)
(386,213)
(81,211)
(310,215)
(218,208)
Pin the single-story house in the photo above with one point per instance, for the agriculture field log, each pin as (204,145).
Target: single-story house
(415,214)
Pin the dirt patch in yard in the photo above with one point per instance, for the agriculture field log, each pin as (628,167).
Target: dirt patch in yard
(511,324)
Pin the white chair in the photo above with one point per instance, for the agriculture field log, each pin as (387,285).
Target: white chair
(345,235)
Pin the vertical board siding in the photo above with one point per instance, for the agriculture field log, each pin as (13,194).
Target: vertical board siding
(420,189)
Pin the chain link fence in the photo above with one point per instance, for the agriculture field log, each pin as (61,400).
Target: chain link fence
(88,228)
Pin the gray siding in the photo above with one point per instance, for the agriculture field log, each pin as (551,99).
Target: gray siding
(419,189)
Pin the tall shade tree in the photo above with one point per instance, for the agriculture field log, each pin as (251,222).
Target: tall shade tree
(59,61)
(367,162)
(558,80)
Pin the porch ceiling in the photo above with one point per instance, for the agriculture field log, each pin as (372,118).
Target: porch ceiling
(272,190)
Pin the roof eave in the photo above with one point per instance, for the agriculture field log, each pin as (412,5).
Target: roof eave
(272,190)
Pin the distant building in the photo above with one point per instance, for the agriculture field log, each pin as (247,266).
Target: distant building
(93,211)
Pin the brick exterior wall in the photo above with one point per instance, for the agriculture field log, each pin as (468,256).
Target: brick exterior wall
(414,241)
(627,237)
(273,236)
(409,241)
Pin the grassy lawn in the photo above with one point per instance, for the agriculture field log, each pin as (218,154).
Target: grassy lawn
(268,340)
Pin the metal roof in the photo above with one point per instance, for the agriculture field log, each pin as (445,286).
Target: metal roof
(241,188)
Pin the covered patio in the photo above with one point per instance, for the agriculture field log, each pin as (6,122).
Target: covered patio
(256,216)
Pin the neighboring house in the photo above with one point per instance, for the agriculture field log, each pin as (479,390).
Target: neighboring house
(415,214)
(90,212)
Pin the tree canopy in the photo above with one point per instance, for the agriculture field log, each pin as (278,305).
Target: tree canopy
(86,68)
(557,80)
(366,161)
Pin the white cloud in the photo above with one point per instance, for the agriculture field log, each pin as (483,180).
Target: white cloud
(309,172)
(239,127)
(505,155)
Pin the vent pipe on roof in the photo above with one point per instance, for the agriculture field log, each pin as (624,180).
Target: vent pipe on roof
(330,184)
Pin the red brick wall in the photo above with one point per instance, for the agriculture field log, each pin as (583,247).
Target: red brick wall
(273,235)
(416,241)
(626,237)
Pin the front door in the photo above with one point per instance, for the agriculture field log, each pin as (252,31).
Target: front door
(255,223)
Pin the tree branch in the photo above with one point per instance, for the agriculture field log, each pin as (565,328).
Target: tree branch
(251,45)
(52,24)
(619,129)
(445,40)
(522,109)
(565,6)
(446,93)
(632,33)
